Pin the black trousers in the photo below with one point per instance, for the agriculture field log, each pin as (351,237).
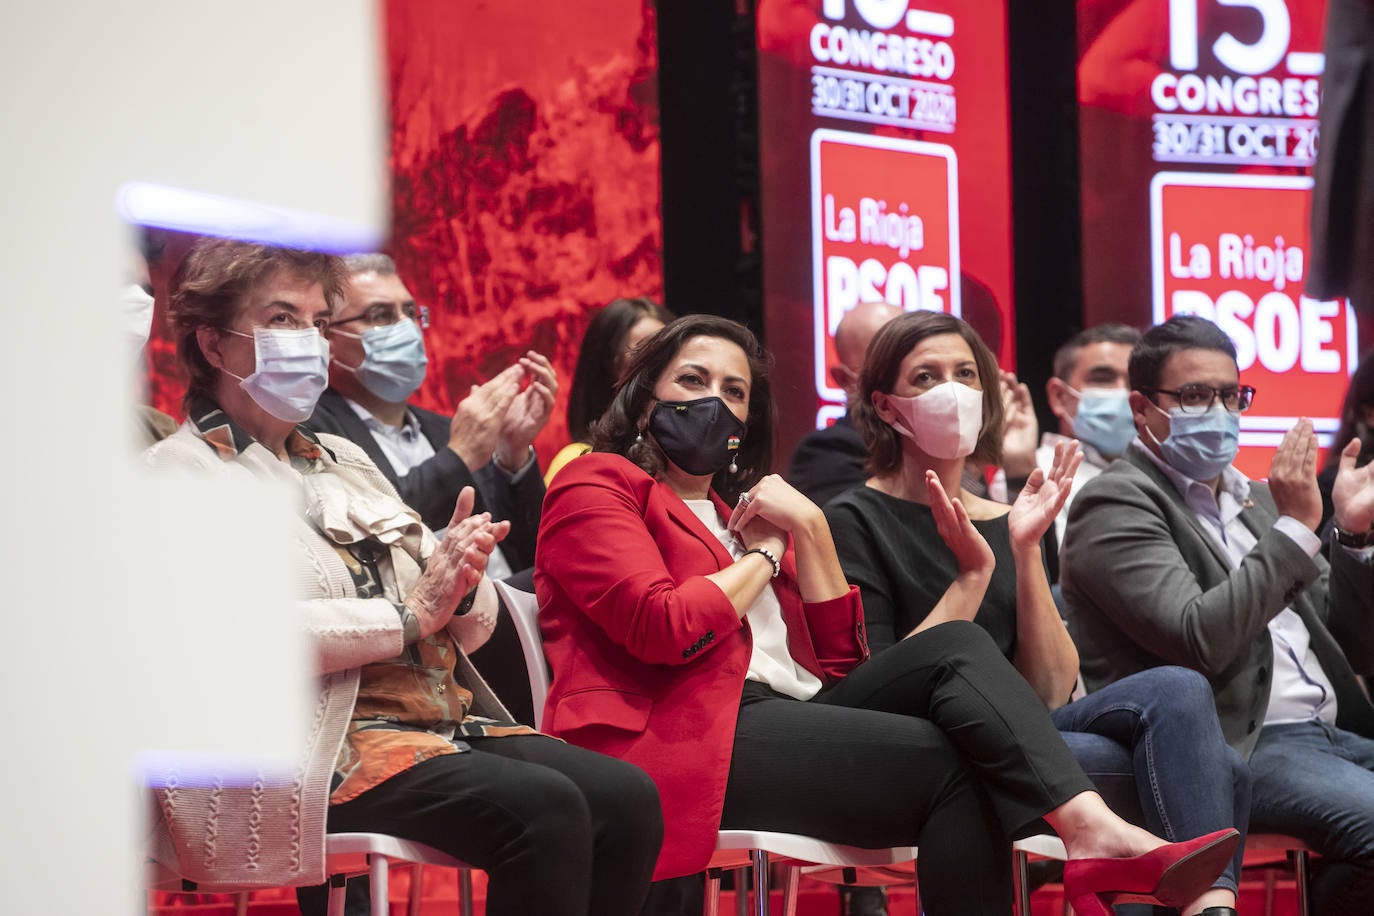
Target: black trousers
(936,742)
(559,830)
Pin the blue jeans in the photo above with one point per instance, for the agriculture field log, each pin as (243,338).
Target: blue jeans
(1316,782)
(1152,745)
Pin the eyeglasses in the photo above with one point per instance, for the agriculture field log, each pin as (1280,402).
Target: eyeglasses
(1196,397)
(384,314)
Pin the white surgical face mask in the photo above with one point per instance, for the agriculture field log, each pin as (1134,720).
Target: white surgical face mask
(944,422)
(292,371)
(136,309)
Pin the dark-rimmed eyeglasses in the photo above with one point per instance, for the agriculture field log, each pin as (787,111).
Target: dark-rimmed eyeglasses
(382,315)
(1196,397)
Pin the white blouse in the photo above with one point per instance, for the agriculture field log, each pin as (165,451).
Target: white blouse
(771,663)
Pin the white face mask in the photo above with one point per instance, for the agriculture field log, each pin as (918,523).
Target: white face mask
(944,422)
(292,371)
(136,309)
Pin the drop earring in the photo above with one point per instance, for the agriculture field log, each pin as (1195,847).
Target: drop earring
(734,468)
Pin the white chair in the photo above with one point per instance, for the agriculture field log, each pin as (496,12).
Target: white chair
(524,613)
(348,855)
(804,855)
(1042,846)
(351,854)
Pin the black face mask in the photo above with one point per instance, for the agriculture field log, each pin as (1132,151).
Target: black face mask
(700,436)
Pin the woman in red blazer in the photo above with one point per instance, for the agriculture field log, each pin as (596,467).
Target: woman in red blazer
(716,644)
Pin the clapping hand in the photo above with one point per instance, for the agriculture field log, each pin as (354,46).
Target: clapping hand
(456,566)
(528,411)
(1353,492)
(970,550)
(1020,430)
(1293,476)
(478,423)
(1043,497)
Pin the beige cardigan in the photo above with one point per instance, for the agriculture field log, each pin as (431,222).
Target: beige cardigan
(272,833)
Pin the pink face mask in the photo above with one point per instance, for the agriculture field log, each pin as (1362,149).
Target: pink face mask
(944,422)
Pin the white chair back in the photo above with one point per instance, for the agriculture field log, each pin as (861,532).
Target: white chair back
(524,612)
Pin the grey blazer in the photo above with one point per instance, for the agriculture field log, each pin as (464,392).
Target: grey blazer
(1146,585)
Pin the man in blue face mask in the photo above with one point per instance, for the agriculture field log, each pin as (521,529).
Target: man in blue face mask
(378,360)
(1088,395)
(1172,556)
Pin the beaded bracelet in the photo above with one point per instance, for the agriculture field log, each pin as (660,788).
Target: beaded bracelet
(767,555)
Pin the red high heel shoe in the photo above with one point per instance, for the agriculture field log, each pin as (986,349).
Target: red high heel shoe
(1170,875)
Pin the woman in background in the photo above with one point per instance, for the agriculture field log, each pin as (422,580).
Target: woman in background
(1152,741)
(612,334)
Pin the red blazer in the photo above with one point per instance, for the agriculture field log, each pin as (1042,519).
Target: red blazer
(648,656)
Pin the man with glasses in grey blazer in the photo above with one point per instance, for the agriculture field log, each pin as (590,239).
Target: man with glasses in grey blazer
(1173,557)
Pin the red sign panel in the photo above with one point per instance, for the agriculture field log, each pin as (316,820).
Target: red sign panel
(865,107)
(1198,131)
(1233,249)
(884,226)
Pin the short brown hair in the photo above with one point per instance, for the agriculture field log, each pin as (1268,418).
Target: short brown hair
(889,347)
(214,279)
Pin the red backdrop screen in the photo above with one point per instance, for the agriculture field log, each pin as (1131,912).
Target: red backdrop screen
(524,156)
(885,175)
(1198,131)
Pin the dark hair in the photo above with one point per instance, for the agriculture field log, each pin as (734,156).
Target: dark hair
(618,428)
(1067,355)
(1360,393)
(1156,345)
(214,279)
(893,342)
(599,358)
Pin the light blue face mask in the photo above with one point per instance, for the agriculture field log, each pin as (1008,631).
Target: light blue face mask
(1201,445)
(1104,419)
(394,360)
(292,371)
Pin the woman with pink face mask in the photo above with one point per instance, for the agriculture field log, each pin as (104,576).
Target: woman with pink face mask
(925,552)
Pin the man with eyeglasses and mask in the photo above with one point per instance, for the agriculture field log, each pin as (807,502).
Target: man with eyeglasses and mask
(377,362)
(1173,557)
